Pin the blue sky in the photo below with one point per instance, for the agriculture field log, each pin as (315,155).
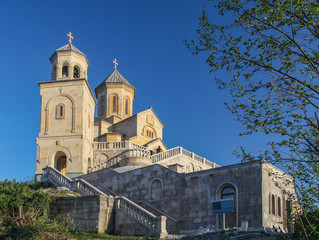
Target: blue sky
(146,37)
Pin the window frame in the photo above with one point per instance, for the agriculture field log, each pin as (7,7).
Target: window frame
(58,113)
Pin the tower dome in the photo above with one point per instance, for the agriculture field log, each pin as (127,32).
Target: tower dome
(68,63)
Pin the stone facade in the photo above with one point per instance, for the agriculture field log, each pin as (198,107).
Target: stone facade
(187,198)
(87,213)
(123,154)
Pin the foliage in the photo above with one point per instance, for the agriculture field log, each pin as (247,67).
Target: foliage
(270,49)
(20,204)
(311,228)
(55,229)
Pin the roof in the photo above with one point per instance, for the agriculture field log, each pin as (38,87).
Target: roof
(116,77)
(70,47)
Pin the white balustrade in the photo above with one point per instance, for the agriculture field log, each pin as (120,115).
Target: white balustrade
(86,188)
(140,214)
(117,158)
(180,151)
(58,176)
(122,203)
(166,154)
(116,145)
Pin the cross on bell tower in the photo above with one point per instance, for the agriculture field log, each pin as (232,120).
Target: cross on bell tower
(115,63)
(70,37)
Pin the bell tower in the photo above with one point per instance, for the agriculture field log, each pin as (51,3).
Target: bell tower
(115,97)
(66,134)
(68,62)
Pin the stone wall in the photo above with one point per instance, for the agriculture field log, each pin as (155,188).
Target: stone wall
(188,197)
(87,213)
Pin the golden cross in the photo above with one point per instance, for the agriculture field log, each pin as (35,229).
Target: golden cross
(70,37)
(115,63)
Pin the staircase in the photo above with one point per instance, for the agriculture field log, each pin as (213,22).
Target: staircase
(156,224)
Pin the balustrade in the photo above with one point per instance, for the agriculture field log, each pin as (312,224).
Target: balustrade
(140,214)
(86,188)
(117,158)
(58,176)
(116,145)
(180,151)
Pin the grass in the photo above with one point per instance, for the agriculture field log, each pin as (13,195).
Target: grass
(57,229)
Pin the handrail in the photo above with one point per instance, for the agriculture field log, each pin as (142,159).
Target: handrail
(159,211)
(180,151)
(116,145)
(58,176)
(117,158)
(124,204)
(140,214)
(86,187)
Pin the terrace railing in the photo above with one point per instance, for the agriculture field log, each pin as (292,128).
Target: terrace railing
(156,158)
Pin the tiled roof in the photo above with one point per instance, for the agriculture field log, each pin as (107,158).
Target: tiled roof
(116,77)
(69,47)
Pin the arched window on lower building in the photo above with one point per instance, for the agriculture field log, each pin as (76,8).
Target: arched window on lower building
(156,190)
(273,204)
(60,111)
(228,192)
(279,207)
(269,202)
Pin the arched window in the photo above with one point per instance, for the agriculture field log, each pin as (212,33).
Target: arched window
(149,133)
(114,101)
(273,204)
(190,168)
(279,207)
(102,105)
(60,111)
(76,72)
(269,203)
(53,74)
(65,70)
(156,190)
(89,163)
(228,192)
(126,107)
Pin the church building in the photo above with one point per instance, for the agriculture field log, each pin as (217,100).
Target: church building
(121,155)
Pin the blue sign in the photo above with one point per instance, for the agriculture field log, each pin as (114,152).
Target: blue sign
(223,206)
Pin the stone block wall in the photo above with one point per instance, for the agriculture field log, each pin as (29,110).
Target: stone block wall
(188,197)
(87,213)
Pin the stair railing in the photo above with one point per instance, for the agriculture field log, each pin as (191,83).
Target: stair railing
(117,158)
(137,212)
(58,176)
(158,157)
(141,215)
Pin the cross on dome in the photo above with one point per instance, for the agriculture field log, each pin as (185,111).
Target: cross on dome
(70,37)
(115,63)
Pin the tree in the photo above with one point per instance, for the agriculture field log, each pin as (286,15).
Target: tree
(20,204)
(270,49)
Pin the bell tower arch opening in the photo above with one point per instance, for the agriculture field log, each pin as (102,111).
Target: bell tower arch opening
(60,162)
